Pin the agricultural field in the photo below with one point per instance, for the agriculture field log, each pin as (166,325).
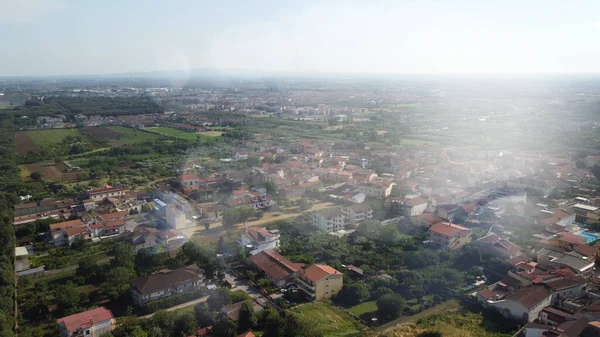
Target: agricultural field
(170,132)
(33,140)
(363,308)
(329,320)
(119,135)
(49,170)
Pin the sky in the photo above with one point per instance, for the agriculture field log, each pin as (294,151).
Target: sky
(64,37)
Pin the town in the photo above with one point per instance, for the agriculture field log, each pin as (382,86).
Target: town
(263,209)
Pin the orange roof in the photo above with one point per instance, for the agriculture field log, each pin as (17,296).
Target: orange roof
(317,272)
(111,216)
(247,334)
(188,177)
(75,231)
(66,224)
(447,229)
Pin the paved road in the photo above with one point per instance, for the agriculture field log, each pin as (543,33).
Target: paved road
(182,305)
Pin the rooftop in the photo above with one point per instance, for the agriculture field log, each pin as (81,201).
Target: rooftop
(86,318)
(167,278)
(529,296)
(447,229)
(275,265)
(318,272)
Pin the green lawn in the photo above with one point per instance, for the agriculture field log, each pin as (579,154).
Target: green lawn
(329,320)
(181,134)
(51,136)
(7,107)
(132,136)
(363,308)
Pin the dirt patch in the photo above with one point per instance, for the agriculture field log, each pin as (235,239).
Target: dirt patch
(25,144)
(52,171)
(106,134)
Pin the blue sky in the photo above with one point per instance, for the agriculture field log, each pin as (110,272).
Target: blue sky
(63,37)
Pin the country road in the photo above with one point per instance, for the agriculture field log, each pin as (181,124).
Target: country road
(182,305)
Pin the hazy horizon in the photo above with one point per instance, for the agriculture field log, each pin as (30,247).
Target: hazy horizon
(65,37)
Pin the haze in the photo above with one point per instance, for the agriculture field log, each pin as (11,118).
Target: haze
(83,37)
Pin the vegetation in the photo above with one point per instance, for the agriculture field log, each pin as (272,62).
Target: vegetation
(328,320)
(43,138)
(170,132)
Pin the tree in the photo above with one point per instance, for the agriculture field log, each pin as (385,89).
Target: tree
(271,187)
(596,171)
(422,259)
(87,269)
(273,323)
(253,161)
(298,326)
(124,256)
(390,306)
(185,325)
(303,204)
(580,164)
(247,318)
(35,176)
(381,291)
(67,298)
(224,327)
(117,282)
(130,331)
(355,293)
(219,298)
(204,316)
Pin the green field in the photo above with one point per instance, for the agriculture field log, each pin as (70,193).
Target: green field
(7,107)
(363,308)
(170,132)
(329,320)
(132,136)
(49,137)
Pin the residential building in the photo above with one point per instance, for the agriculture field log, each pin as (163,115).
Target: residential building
(425,220)
(94,323)
(586,214)
(379,190)
(113,216)
(449,236)
(493,245)
(524,305)
(276,267)
(144,240)
(259,239)
(414,206)
(554,316)
(166,283)
(565,288)
(175,217)
(64,233)
(107,191)
(188,180)
(21,259)
(320,281)
(357,213)
(556,258)
(329,220)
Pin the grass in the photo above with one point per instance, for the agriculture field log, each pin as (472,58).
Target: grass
(49,137)
(416,142)
(211,133)
(170,132)
(329,320)
(363,308)
(7,107)
(132,136)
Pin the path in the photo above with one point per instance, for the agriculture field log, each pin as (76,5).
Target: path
(74,266)
(182,305)
(448,306)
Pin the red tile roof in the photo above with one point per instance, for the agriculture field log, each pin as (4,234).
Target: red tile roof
(115,223)
(111,216)
(85,319)
(275,265)
(318,272)
(571,238)
(447,229)
(432,219)
(188,177)
(247,334)
(66,224)
(75,231)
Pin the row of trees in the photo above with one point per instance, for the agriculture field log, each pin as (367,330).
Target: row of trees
(8,182)
(235,215)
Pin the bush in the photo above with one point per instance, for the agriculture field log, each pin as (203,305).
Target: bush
(164,303)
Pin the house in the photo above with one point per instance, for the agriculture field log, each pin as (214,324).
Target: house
(449,236)
(204,332)
(175,217)
(259,239)
(247,334)
(414,206)
(188,180)
(144,240)
(21,259)
(107,191)
(166,283)
(425,220)
(565,288)
(113,216)
(276,267)
(556,258)
(329,220)
(524,305)
(94,323)
(586,214)
(64,233)
(554,316)
(113,227)
(320,281)
(380,189)
(357,213)
(493,245)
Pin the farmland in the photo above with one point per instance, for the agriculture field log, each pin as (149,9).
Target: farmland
(329,320)
(170,132)
(34,140)
(49,170)
(120,135)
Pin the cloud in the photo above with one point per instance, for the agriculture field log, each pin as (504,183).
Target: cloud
(26,11)
(595,25)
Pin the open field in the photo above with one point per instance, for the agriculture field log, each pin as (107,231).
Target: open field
(49,170)
(416,142)
(50,136)
(119,135)
(363,308)
(7,107)
(170,132)
(24,144)
(329,320)
(211,133)
(445,307)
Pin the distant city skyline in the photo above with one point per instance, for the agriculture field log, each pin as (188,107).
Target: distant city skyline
(66,37)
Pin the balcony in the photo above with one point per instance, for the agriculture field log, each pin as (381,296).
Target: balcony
(310,289)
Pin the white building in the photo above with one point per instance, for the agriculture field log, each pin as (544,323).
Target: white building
(524,305)
(175,217)
(94,323)
(355,214)
(377,190)
(329,220)
(259,239)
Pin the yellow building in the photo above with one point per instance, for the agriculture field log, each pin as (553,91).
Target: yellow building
(320,281)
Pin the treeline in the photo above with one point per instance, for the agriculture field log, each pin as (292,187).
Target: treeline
(8,181)
(102,106)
